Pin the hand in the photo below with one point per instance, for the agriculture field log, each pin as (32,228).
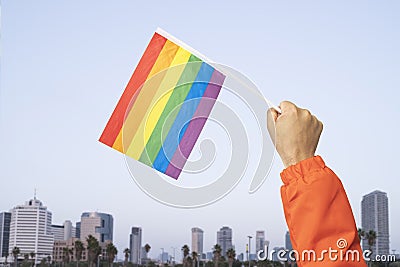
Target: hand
(295,132)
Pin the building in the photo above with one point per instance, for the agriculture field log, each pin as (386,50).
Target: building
(197,240)
(143,255)
(209,256)
(135,245)
(61,245)
(164,257)
(30,230)
(63,232)
(260,240)
(58,232)
(224,239)
(375,216)
(78,230)
(99,225)
(5,220)
(288,242)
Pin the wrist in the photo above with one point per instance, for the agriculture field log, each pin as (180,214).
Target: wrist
(293,160)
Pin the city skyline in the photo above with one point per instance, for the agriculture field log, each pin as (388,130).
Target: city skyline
(224,236)
(61,78)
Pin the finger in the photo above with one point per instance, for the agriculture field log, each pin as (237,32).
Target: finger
(272,114)
(287,106)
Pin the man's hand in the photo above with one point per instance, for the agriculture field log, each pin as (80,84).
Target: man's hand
(295,132)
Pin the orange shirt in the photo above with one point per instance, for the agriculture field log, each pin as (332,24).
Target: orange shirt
(319,216)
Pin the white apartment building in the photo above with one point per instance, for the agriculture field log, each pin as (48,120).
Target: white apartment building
(30,230)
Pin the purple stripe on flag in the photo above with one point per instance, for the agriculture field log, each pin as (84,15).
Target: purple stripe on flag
(196,124)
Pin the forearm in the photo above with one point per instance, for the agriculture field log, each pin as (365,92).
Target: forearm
(318,215)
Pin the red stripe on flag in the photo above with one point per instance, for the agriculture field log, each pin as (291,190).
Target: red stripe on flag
(139,76)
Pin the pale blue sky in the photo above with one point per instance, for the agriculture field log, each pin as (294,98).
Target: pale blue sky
(64,65)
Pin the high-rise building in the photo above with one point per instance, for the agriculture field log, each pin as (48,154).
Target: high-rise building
(5,220)
(135,243)
(58,232)
(143,255)
(78,230)
(63,232)
(30,230)
(164,257)
(375,216)
(224,239)
(197,240)
(288,243)
(260,240)
(99,225)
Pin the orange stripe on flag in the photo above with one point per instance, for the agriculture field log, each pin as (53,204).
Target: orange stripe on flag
(139,76)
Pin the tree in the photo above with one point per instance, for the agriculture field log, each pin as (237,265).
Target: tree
(185,249)
(66,253)
(32,255)
(94,250)
(195,258)
(231,253)
(126,252)
(49,259)
(217,254)
(79,248)
(147,248)
(361,234)
(371,238)
(6,258)
(43,262)
(111,251)
(15,253)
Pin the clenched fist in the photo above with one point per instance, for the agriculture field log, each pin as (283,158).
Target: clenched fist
(295,132)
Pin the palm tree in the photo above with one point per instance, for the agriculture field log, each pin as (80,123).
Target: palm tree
(111,251)
(15,253)
(66,253)
(79,247)
(94,250)
(195,258)
(147,248)
(185,250)
(43,262)
(231,253)
(126,252)
(371,238)
(32,255)
(6,258)
(217,254)
(361,234)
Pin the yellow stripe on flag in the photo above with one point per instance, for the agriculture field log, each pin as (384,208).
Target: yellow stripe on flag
(158,104)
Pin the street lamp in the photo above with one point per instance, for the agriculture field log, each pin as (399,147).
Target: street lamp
(98,260)
(250,237)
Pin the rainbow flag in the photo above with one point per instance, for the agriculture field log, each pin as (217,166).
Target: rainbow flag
(165,105)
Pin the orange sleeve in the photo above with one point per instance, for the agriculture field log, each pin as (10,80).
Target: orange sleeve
(319,216)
